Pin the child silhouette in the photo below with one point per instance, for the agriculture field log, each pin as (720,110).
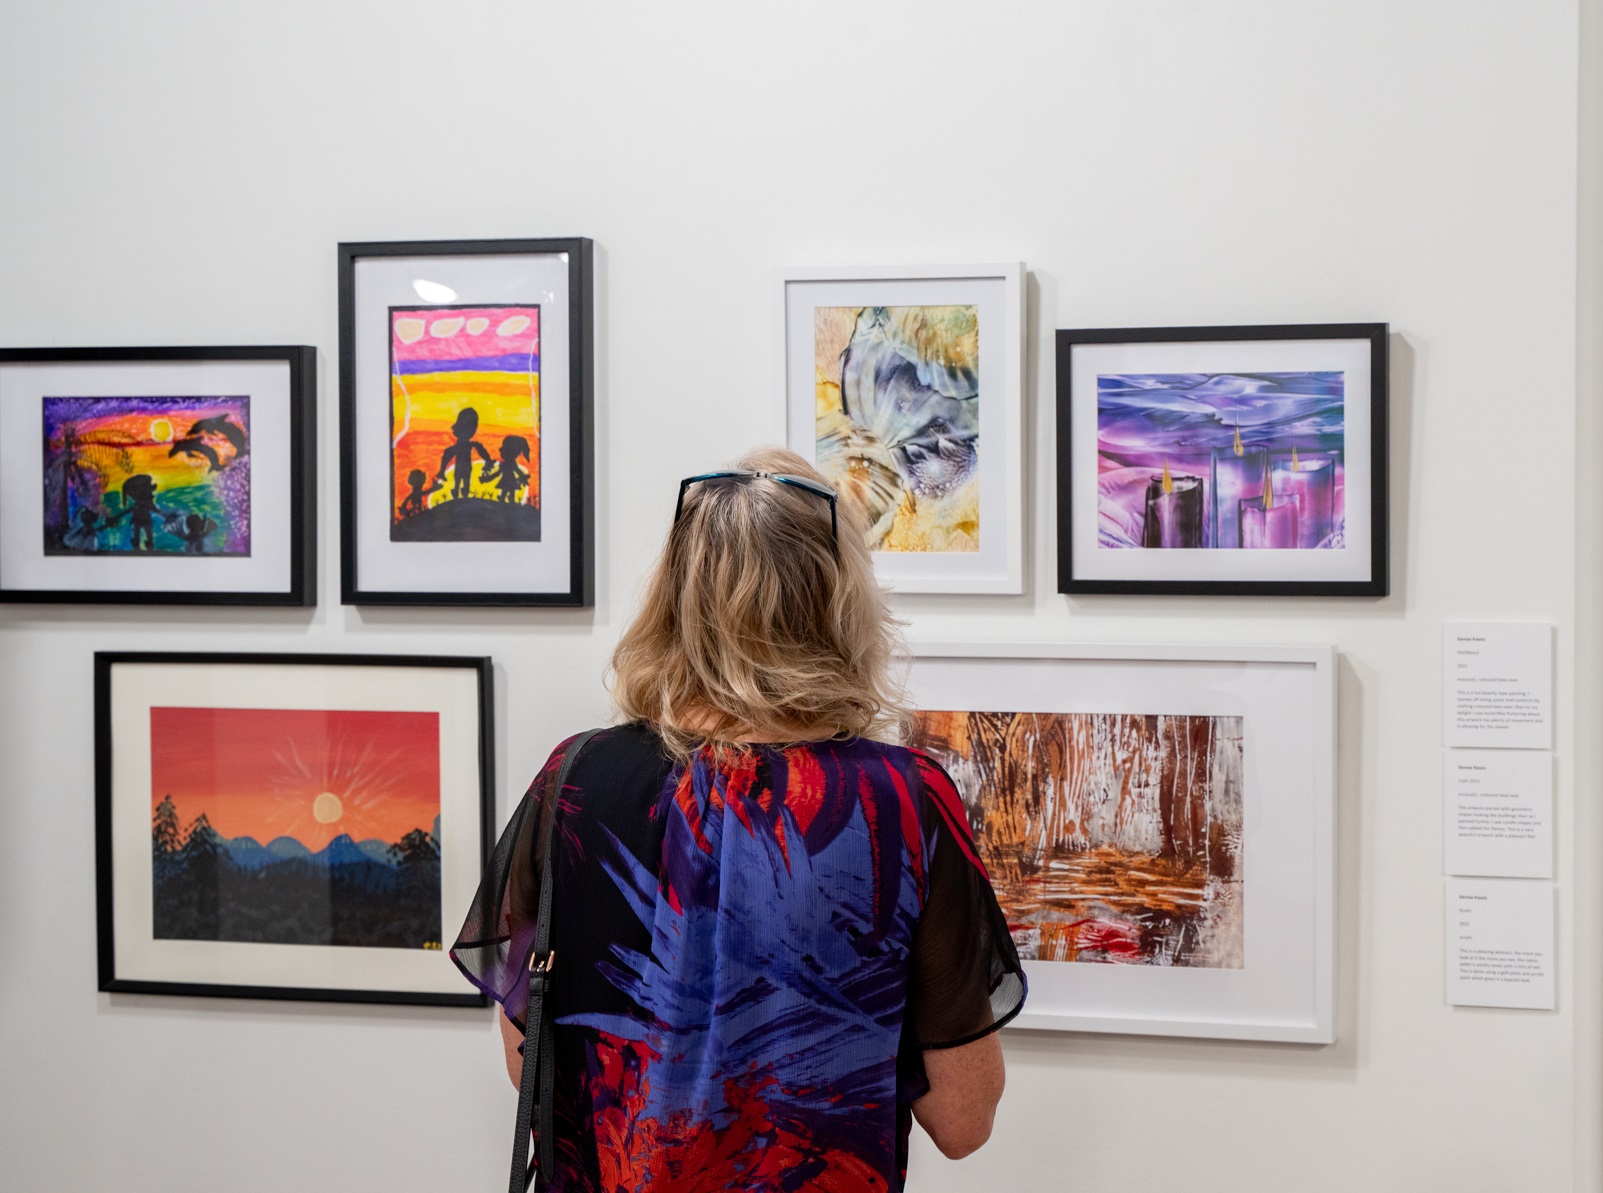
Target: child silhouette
(139,491)
(459,456)
(85,536)
(194,533)
(413,504)
(508,477)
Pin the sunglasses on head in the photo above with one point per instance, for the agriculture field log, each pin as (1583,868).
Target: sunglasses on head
(782,478)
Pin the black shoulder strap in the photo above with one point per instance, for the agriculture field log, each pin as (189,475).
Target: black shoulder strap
(539,1058)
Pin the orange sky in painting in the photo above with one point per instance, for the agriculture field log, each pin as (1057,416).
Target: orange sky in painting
(150,448)
(258,772)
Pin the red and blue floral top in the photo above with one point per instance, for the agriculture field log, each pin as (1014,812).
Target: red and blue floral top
(753,950)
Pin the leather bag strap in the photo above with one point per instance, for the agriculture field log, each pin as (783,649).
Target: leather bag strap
(539,1040)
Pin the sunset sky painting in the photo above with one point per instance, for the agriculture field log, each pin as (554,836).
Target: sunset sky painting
(465,424)
(160,475)
(306,774)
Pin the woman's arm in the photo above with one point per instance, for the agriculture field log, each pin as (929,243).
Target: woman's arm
(965,1086)
(511,1039)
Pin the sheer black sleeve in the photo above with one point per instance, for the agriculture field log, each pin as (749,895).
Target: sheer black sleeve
(966,979)
(492,949)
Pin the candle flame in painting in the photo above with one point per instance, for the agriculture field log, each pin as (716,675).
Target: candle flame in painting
(1168,481)
(1294,457)
(1109,837)
(1237,446)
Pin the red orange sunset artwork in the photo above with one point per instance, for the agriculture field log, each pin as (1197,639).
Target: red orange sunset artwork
(296,826)
(307,774)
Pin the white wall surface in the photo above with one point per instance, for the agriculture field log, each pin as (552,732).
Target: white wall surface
(179,173)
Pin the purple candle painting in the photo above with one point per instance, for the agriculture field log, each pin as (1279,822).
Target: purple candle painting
(1173,446)
(1237,477)
(1273,526)
(1173,515)
(1311,483)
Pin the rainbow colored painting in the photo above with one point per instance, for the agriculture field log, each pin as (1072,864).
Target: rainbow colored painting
(147,475)
(465,391)
(296,826)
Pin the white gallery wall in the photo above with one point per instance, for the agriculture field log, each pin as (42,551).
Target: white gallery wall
(180,173)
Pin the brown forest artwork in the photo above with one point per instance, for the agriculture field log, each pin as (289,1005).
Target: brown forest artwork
(1108,836)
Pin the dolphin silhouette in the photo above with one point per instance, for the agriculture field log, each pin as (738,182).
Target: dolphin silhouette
(219,425)
(194,447)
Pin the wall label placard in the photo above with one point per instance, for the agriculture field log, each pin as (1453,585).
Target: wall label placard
(1497,689)
(1498,813)
(1500,943)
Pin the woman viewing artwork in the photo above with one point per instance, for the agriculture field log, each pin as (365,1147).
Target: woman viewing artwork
(774,944)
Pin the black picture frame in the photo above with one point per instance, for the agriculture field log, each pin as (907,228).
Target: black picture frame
(300,481)
(1377,583)
(580,400)
(105,663)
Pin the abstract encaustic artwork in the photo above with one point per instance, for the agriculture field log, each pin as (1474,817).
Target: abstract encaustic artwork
(1109,837)
(296,826)
(147,475)
(465,424)
(1221,460)
(897,407)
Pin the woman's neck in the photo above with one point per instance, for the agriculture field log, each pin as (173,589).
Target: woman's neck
(704,720)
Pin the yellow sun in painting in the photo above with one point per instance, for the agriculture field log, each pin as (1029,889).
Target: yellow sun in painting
(326,808)
(161,431)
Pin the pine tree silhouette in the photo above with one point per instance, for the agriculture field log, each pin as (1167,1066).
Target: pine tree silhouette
(201,839)
(165,841)
(416,848)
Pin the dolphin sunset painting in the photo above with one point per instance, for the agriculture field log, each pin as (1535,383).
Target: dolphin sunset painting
(296,826)
(165,475)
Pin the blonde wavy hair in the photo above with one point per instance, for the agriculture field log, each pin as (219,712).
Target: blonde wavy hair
(755,621)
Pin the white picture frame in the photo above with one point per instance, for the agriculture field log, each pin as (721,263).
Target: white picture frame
(991,559)
(1283,986)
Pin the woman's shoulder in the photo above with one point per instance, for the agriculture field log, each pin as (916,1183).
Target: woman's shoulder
(606,748)
(909,761)
(632,740)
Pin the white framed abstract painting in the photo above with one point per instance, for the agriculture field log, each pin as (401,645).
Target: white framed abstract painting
(1158,823)
(904,387)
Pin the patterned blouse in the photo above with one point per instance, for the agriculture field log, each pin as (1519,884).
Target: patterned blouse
(753,949)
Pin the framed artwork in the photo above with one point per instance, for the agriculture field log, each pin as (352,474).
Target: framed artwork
(1246,461)
(904,387)
(289,825)
(1158,823)
(173,476)
(466,423)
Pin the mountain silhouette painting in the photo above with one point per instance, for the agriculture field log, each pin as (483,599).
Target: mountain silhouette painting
(296,826)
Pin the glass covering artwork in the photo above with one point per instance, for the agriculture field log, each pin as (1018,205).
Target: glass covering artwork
(147,475)
(1221,460)
(897,406)
(465,389)
(296,826)
(1109,837)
